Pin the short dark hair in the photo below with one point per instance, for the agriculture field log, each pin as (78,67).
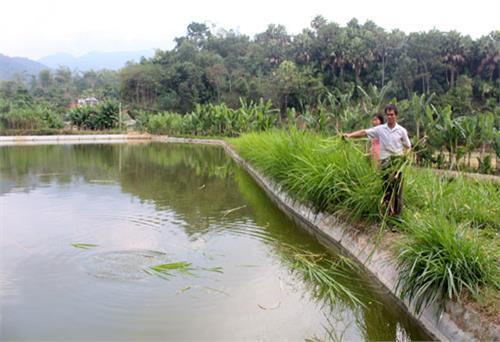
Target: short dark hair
(379,116)
(391,107)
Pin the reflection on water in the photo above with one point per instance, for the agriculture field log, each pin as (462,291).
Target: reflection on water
(186,210)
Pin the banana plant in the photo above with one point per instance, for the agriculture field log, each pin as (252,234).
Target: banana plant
(486,123)
(373,99)
(417,109)
(452,132)
(469,125)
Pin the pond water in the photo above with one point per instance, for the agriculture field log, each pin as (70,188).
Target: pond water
(155,241)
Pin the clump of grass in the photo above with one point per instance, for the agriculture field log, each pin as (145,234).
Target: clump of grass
(438,259)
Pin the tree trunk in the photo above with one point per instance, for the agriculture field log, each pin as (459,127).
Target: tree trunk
(383,70)
(452,72)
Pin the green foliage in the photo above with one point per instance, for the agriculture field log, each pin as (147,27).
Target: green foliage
(485,164)
(165,123)
(102,117)
(332,174)
(219,120)
(296,70)
(439,259)
(29,117)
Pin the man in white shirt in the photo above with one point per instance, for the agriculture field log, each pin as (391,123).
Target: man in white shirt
(394,142)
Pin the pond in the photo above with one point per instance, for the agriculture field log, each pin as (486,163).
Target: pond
(155,241)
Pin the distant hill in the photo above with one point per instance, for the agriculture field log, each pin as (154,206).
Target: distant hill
(9,66)
(95,60)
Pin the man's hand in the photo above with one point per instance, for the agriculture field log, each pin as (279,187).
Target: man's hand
(357,134)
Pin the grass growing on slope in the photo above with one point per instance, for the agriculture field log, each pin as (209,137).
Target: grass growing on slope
(450,225)
(317,170)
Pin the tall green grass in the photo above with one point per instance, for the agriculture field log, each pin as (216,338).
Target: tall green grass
(450,226)
(439,259)
(330,173)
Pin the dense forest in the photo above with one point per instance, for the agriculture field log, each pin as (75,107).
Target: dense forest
(446,83)
(291,70)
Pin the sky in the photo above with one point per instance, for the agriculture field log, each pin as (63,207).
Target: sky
(37,28)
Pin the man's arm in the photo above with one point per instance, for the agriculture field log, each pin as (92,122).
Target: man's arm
(358,134)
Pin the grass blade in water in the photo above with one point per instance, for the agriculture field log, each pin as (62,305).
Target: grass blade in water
(83,245)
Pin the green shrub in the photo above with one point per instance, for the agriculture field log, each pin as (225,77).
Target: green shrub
(30,118)
(102,117)
(215,120)
(438,259)
(165,123)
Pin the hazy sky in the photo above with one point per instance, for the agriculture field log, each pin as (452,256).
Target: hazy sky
(36,28)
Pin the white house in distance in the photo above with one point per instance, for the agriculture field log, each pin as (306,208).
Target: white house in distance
(88,101)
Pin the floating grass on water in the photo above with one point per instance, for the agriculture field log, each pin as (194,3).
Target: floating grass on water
(83,245)
(185,268)
(167,269)
(274,307)
(229,211)
(184,289)
(207,289)
(216,269)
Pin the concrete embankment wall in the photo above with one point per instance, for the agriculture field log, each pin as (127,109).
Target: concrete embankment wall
(71,139)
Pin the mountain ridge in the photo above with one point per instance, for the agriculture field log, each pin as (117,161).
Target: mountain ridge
(95,60)
(10,66)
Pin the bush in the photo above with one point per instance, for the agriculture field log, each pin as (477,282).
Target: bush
(165,123)
(104,116)
(439,259)
(30,118)
(215,120)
